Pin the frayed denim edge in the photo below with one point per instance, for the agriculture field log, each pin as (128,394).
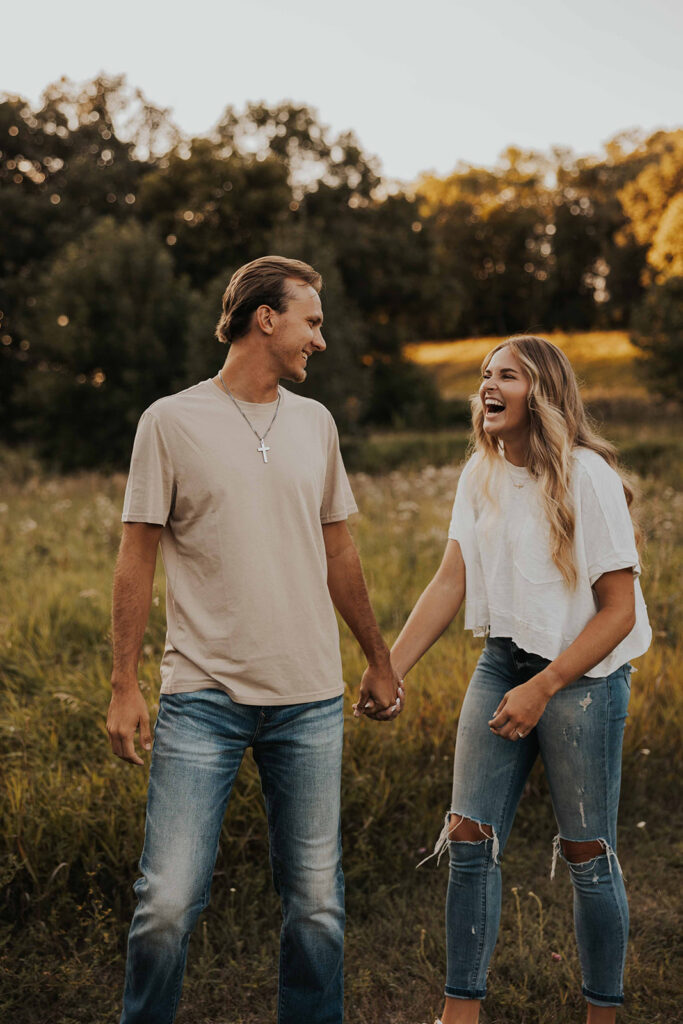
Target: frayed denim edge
(443,840)
(608,850)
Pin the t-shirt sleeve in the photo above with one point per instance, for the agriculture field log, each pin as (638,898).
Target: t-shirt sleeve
(150,490)
(462,517)
(338,502)
(606,522)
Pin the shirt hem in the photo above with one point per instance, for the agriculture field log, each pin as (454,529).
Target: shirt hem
(257,700)
(535,641)
(613,564)
(137,517)
(338,517)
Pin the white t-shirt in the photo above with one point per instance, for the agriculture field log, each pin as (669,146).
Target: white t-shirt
(247,604)
(514,589)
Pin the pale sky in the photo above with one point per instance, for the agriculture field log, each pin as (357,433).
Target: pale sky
(423,85)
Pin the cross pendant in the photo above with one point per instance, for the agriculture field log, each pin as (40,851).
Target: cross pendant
(263,449)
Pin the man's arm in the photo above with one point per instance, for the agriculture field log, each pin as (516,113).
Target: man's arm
(345,581)
(133,579)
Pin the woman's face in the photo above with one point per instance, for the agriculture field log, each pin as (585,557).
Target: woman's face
(503,393)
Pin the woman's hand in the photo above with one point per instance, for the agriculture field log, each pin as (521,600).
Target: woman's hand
(522,707)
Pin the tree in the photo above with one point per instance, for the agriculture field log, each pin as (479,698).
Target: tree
(214,211)
(657,328)
(108,339)
(646,195)
(62,167)
(666,252)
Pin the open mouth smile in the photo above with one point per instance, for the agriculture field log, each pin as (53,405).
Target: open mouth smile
(492,406)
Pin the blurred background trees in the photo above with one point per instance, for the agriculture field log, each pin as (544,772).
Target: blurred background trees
(118,236)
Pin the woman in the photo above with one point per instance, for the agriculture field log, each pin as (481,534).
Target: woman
(542,539)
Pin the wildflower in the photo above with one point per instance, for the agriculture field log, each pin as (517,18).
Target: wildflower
(641,824)
(556,957)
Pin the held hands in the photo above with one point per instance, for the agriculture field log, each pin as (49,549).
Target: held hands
(127,713)
(521,708)
(382,695)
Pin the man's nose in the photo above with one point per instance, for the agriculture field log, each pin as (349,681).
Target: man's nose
(319,341)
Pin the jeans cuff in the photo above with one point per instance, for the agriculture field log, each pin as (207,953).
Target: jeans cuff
(464,993)
(601,1000)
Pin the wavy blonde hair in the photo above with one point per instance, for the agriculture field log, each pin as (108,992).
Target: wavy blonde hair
(558,423)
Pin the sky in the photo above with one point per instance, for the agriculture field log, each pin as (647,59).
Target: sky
(423,85)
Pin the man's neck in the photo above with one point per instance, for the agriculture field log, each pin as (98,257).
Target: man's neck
(247,383)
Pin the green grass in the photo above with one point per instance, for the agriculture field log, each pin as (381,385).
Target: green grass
(72,815)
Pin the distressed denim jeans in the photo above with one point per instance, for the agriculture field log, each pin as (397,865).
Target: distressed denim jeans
(199,742)
(579,738)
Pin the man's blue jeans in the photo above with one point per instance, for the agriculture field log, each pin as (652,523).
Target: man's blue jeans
(199,742)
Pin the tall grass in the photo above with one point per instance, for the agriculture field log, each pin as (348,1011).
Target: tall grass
(72,815)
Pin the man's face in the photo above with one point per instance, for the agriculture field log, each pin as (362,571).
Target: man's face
(297,333)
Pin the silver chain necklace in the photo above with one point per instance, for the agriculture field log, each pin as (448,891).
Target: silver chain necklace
(263,448)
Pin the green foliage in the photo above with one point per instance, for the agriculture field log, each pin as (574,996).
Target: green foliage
(214,212)
(108,339)
(657,328)
(537,242)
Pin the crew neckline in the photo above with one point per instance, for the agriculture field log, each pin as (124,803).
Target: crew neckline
(246,405)
(521,472)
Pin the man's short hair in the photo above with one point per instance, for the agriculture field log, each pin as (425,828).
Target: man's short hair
(263,282)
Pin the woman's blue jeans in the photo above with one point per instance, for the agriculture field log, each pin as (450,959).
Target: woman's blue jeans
(579,738)
(199,742)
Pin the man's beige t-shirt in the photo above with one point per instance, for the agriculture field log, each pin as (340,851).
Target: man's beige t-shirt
(247,605)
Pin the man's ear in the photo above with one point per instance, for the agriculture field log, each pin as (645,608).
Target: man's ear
(265,319)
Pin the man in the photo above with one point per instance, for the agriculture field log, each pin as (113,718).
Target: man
(242,483)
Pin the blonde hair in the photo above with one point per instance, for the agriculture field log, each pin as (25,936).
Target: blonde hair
(261,282)
(558,423)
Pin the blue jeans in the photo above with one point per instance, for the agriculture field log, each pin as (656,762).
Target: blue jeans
(579,738)
(199,742)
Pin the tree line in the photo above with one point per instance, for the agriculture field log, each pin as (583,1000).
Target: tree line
(118,236)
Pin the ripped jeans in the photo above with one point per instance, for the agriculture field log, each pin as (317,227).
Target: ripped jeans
(579,737)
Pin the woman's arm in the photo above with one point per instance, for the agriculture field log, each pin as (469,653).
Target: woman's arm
(521,708)
(436,608)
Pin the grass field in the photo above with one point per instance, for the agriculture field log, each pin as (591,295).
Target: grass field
(605,362)
(72,815)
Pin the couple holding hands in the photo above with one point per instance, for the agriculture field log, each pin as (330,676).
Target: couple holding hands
(257,555)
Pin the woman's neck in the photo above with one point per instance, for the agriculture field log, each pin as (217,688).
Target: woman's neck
(516,451)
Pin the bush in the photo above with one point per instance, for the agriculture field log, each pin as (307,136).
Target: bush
(657,329)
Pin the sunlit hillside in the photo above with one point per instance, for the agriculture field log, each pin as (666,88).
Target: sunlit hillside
(605,362)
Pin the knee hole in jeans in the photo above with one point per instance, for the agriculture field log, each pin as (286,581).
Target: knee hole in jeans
(581,852)
(464,830)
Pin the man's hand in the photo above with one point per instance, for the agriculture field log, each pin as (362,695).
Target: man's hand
(128,713)
(382,696)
